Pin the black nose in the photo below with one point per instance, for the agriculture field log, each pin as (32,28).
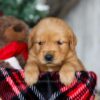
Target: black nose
(48,57)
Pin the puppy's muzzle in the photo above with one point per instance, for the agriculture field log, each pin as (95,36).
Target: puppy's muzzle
(48,58)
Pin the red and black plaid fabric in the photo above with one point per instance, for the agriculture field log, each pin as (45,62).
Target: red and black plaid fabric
(13,87)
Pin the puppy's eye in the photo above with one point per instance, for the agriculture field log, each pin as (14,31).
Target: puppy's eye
(59,42)
(40,43)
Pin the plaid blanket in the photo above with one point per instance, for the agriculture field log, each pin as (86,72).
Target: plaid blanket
(13,86)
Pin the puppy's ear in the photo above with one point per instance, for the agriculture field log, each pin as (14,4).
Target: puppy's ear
(72,41)
(31,38)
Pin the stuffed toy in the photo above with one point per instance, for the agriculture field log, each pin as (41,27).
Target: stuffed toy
(13,41)
(48,87)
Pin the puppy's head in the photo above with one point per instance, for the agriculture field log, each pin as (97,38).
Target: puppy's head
(50,41)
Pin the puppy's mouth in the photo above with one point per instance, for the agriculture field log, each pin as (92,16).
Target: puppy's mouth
(51,63)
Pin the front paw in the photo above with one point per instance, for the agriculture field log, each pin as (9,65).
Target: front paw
(31,77)
(67,77)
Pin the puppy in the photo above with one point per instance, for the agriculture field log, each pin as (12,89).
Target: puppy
(52,48)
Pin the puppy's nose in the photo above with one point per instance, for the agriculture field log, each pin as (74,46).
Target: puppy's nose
(48,57)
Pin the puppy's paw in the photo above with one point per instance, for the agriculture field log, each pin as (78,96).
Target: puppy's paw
(67,77)
(31,77)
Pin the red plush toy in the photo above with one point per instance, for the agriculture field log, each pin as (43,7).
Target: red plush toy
(13,41)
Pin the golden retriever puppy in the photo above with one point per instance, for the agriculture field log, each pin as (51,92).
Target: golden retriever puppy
(52,48)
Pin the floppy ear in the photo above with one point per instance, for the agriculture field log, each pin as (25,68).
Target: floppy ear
(31,56)
(72,41)
(31,38)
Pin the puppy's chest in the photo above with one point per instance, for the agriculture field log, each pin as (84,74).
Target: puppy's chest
(49,69)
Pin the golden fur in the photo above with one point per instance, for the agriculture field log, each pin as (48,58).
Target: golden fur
(53,36)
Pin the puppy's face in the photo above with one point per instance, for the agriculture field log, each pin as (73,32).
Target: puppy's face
(51,43)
